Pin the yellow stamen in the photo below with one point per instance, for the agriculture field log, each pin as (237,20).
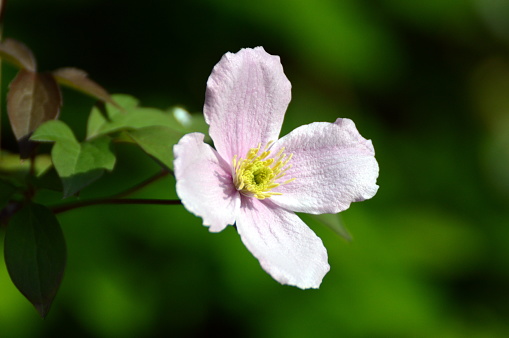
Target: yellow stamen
(256,176)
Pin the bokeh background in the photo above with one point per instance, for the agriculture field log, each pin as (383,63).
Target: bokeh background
(426,80)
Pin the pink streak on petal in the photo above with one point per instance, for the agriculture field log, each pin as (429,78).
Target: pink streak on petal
(286,248)
(333,166)
(204,182)
(245,102)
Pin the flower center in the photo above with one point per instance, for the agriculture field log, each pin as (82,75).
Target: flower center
(256,176)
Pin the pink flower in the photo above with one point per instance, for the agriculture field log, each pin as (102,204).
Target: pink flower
(257,181)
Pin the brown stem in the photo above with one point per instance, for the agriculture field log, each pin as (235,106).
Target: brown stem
(2,6)
(75,205)
(119,198)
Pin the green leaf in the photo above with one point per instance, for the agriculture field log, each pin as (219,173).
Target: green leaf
(77,164)
(54,131)
(98,118)
(130,117)
(95,122)
(154,130)
(137,118)
(35,255)
(158,142)
(124,101)
(332,221)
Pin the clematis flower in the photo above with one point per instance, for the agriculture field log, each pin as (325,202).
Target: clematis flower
(256,181)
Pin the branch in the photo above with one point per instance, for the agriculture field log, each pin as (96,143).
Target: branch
(80,204)
(118,198)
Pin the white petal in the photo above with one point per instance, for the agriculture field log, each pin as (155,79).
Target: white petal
(333,166)
(285,246)
(204,182)
(246,99)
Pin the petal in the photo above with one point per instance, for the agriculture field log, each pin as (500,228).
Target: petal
(333,166)
(246,99)
(204,182)
(286,248)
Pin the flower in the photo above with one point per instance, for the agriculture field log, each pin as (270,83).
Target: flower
(256,181)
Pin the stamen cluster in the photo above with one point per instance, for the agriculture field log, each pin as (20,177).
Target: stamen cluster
(256,175)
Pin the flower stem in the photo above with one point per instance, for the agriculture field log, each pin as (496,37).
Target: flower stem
(75,205)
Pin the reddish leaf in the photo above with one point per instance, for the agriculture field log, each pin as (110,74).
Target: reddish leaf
(78,79)
(33,99)
(17,53)
(2,9)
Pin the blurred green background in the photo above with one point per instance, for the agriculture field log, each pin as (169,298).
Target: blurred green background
(426,80)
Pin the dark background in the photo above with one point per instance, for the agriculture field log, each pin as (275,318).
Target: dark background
(427,81)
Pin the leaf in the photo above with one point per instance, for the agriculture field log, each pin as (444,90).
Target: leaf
(77,164)
(2,10)
(33,99)
(95,122)
(154,130)
(158,142)
(35,255)
(132,117)
(98,118)
(16,52)
(78,79)
(140,118)
(124,101)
